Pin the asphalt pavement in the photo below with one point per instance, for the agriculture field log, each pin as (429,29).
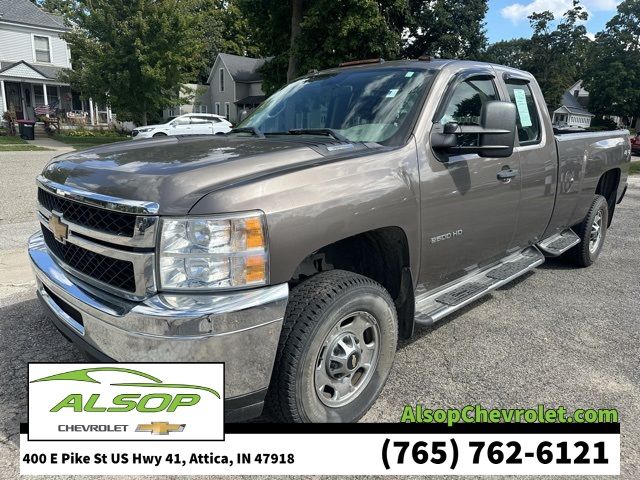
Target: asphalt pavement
(560,336)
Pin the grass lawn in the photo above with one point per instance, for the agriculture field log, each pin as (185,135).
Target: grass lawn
(80,143)
(22,148)
(6,140)
(635,168)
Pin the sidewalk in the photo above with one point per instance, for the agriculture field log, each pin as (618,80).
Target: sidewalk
(47,142)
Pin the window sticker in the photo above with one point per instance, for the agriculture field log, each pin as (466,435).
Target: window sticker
(393,92)
(409,74)
(523,108)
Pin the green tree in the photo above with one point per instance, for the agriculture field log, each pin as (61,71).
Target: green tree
(557,56)
(613,73)
(512,53)
(223,28)
(63,8)
(447,28)
(134,54)
(322,33)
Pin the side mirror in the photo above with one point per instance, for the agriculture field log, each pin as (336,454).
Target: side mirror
(496,133)
(498,119)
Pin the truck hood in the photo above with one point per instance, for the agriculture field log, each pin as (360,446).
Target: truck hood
(175,172)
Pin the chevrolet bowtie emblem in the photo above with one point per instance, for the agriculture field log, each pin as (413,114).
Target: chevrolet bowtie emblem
(160,428)
(59,229)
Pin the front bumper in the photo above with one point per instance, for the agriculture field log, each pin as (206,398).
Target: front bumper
(241,329)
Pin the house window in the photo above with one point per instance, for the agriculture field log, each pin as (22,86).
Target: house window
(38,95)
(200,109)
(221,72)
(217,108)
(42,49)
(227,110)
(52,96)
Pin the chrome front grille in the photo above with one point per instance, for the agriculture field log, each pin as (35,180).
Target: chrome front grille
(91,217)
(109,243)
(114,272)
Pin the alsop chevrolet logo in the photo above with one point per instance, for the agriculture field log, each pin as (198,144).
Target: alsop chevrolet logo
(160,428)
(60,230)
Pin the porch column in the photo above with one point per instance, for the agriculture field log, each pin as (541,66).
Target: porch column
(3,107)
(46,99)
(109,115)
(91,113)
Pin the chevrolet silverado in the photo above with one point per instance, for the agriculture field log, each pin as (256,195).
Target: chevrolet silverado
(352,205)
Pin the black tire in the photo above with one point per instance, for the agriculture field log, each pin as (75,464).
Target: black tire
(316,307)
(159,134)
(583,255)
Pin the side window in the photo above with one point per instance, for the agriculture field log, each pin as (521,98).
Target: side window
(465,104)
(182,121)
(528,119)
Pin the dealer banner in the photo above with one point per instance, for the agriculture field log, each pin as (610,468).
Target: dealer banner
(168,419)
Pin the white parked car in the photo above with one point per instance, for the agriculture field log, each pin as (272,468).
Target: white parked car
(188,124)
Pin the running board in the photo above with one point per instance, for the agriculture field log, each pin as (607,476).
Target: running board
(431,307)
(557,244)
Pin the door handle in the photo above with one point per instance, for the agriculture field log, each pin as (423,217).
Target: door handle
(507,174)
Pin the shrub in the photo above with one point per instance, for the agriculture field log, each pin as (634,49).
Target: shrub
(86,133)
(11,119)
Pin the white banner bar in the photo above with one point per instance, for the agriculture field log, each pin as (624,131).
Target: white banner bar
(332,454)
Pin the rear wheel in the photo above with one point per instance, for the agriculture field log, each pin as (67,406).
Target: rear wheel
(592,232)
(336,349)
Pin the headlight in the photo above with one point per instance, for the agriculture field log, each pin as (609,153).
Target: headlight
(144,130)
(206,253)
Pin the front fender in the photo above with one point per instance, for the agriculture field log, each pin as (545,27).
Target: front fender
(310,208)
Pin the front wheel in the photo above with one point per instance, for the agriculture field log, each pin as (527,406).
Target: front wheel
(592,232)
(336,349)
(159,134)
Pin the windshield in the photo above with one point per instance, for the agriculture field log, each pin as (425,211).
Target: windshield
(372,105)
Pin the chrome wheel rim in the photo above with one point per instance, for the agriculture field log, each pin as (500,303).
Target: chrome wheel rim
(347,359)
(595,235)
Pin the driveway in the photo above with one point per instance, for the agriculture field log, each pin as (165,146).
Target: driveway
(560,336)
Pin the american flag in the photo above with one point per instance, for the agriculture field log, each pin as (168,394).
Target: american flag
(50,109)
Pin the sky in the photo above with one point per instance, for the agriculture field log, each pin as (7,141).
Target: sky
(507,19)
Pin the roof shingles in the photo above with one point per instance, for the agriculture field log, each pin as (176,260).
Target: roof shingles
(243,69)
(25,12)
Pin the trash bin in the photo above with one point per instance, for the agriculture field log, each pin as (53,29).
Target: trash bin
(27,129)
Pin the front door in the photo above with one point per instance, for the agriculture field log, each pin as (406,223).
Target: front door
(468,214)
(13,92)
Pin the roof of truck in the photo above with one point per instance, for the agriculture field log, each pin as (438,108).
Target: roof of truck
(422,64)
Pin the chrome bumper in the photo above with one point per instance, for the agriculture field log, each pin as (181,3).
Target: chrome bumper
(241,328)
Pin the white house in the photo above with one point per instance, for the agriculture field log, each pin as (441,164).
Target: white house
(32,55)
(573,111)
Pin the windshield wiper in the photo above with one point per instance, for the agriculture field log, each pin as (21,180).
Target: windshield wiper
(253,130)
(319,131)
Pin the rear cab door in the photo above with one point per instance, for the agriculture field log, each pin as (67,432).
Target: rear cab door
(536,149)
(468,214)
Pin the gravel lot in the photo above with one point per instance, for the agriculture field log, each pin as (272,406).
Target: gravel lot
(559,336)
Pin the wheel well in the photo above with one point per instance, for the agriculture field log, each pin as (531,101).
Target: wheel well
(382,255)
(608,188)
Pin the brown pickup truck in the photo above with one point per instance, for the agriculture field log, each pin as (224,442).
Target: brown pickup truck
(350,206)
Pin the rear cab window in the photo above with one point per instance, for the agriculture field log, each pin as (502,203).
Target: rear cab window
(528,120)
